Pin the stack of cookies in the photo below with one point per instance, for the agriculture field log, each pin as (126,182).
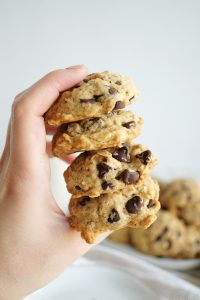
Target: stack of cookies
(110,182)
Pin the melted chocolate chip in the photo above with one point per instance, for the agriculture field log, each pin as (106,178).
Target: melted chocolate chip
(113,216)
(179,234)
(105,185)
(118,82)
(129,125)
(128,177)
(150,204)
(78,188)
(134,205)
(122,154)
(144,157)
(119,105)
(84,201)
(103,169)
(132,98)
(91,100)
(112,90)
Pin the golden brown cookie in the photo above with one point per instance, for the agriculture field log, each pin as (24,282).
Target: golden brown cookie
(104,171)
(97,94)
(134,206)
(108,130)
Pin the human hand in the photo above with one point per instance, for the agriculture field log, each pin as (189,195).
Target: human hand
(36,242)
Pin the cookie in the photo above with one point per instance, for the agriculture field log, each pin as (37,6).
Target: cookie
(179,193)
(135,206)
(165,238)
(191,214)
(97,94)
(108,130)
(120,236)
(104,171)
(191,248)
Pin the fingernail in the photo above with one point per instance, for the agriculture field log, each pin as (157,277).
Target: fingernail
(76,67)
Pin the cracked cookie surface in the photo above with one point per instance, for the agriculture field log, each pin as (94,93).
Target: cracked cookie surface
(105,171)
(97,94)
(104,131)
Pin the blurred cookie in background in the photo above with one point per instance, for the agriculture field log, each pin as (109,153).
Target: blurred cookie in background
(165,238)
(120,236)
(192,246)
(191,214)
(179,193)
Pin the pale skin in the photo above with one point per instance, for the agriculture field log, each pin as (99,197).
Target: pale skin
(36,242)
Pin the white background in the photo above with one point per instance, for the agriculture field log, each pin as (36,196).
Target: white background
(156,42)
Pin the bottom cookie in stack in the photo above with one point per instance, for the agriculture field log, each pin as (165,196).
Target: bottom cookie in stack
(135,206)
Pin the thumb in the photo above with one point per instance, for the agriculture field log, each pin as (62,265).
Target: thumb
(28,136)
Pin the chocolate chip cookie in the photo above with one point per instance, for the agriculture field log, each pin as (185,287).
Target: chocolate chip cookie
(180,193)
(120,236)
(135,206)
(104,131)
(165,238)
(106,171)
(97,94)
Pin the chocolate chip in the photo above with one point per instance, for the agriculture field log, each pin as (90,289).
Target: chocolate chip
(77,187)
(169,244)
(119,105)
(158,238)
(165,230)
(134,205)
(129,177)
(103,169)
(84,201)
(105,185)
(189,197)
(150,204)
(129,125)
(179,234)
(112,90)
(162,234)
(122,154)
(113,216)
(144,157)
(132,98)
(118,82)
(91,100)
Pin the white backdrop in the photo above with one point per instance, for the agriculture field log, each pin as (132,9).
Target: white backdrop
(156,42)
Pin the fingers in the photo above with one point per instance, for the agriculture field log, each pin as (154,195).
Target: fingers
(6,153)
(27,125)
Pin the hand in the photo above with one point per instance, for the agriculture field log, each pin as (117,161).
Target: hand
(36,242)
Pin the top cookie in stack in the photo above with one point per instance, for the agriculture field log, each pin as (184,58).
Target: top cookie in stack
(110,182)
